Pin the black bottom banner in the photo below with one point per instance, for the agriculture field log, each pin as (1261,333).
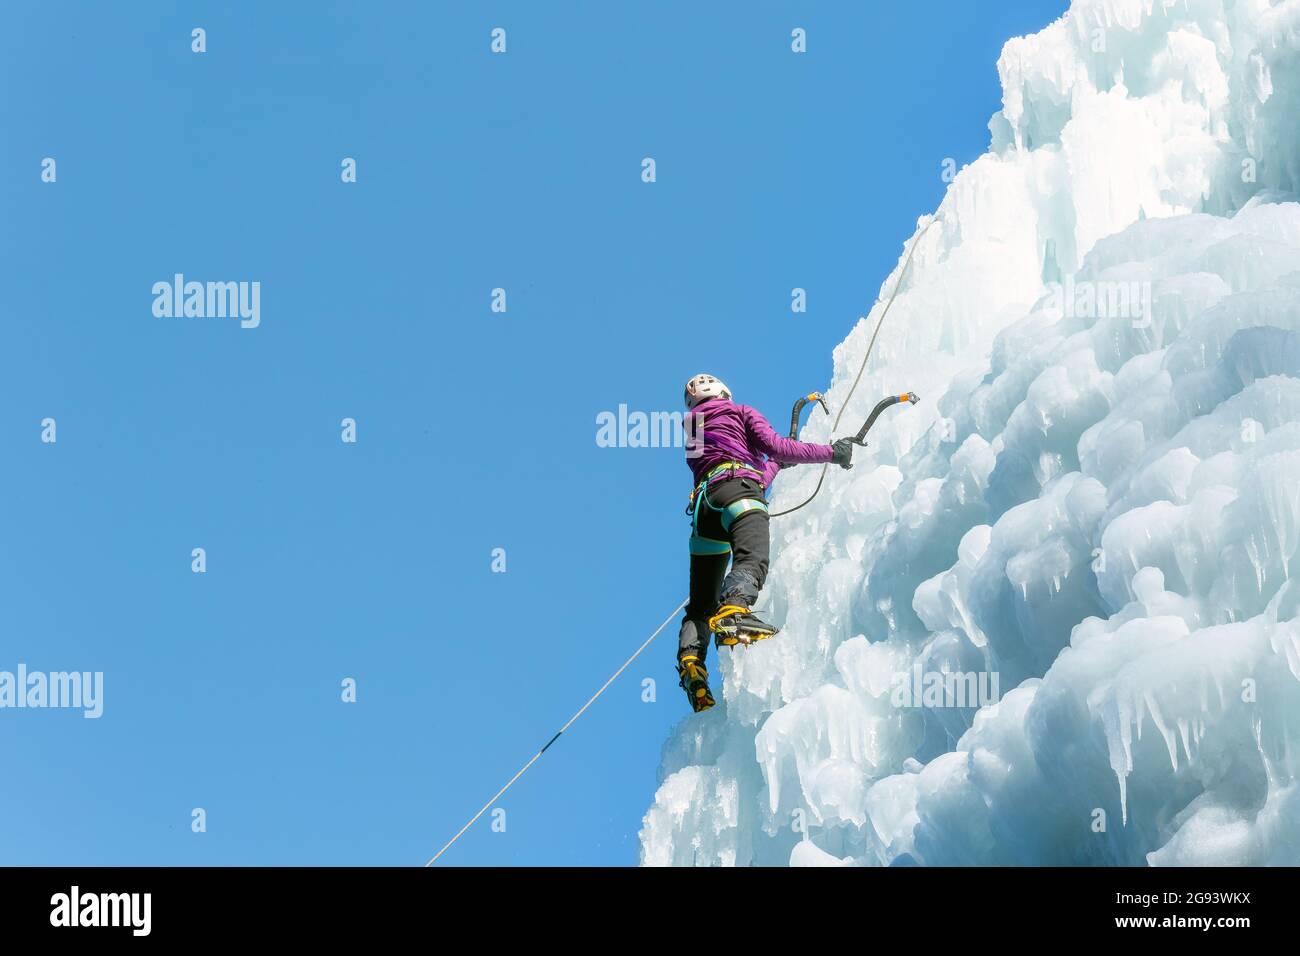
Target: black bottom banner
(927,905)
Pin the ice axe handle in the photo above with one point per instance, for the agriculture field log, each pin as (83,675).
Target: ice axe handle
(861,437)
(798,409)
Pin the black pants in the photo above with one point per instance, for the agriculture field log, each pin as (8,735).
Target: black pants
(711,584)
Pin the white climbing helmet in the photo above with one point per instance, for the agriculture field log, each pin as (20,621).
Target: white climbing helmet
(703,387)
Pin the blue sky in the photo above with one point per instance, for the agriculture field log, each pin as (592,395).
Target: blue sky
(476,430)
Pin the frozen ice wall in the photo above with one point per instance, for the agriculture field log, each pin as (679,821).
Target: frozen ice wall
(1048,618)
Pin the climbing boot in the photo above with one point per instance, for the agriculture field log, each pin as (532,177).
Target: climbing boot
(695,681)
(733,625)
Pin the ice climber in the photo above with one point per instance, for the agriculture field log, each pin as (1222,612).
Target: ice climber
(733,454)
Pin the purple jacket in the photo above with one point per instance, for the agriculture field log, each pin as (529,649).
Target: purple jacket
(719,430)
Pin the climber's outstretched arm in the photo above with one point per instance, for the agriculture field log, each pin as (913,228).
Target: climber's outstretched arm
(785,451)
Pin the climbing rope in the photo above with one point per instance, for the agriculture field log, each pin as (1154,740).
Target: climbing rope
(612,677)
(902,273)
(907,396)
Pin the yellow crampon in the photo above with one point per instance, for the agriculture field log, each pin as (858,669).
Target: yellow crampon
(695,681)
(729,635)
(726,611)
(731,640)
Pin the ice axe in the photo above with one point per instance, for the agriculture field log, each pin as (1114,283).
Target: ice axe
(861,437)
(799,406)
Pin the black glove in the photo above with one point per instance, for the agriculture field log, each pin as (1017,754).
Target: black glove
(843,452)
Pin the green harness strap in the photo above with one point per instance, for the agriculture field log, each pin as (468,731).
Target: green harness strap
(728,466)
(703,545)
(738,508)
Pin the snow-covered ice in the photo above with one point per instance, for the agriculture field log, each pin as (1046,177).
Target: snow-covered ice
(1097,501)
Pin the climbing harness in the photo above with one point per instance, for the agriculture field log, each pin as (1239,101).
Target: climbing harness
(858,439)
(733,466)
(729,514)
